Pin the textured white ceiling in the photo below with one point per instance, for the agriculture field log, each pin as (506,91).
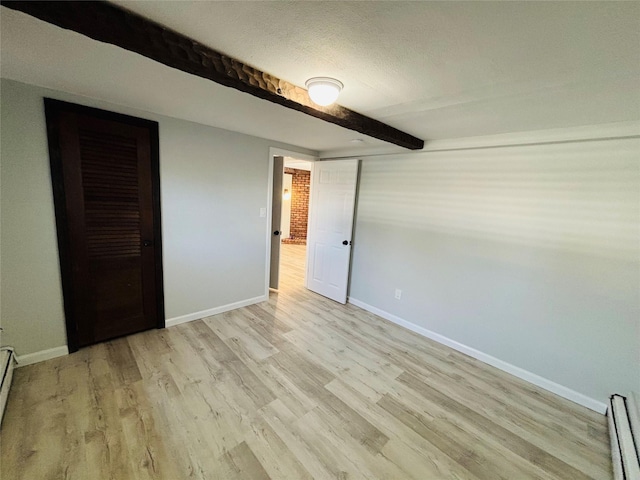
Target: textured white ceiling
(434,69)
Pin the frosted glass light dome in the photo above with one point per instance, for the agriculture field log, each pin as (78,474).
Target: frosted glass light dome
(323,90)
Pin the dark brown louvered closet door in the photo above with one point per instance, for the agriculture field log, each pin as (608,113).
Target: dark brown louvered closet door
(111,222)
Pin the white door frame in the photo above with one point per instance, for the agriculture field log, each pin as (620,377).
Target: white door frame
(275,151)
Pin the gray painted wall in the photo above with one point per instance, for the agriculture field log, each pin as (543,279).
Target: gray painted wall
(213,184)
(526,253)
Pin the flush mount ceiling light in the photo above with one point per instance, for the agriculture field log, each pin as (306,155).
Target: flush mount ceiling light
(323,90)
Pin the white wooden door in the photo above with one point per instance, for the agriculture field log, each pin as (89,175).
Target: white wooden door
(333,195)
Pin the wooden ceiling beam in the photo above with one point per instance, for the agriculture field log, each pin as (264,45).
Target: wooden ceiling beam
(108,23)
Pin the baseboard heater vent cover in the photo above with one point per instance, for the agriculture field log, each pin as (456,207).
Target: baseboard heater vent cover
(7,363)
(624,429)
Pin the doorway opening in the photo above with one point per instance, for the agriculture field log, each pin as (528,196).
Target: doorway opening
(322,263)
(295,201)
(294,222)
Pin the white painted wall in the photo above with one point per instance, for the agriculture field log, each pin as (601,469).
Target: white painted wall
(213,184)
(529,254)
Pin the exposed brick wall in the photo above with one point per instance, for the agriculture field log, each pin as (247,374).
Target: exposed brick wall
(300,182)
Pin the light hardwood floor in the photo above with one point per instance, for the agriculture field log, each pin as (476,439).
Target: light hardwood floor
(295,388)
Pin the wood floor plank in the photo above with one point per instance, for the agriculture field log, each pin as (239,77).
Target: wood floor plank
(271,321)
(493,386)
(124,367)
(506,414)
(143,349)
(105,445)
(297,400)
(463,447)
(405,447)
(418,466)
(367,463)
(297,387)
(506,438)
(278,461)
(74,388)
(240,463)
(187,449)
(364,450)
(256,346)
(301,369)
(145,437)
(341,415)
(283,421)
(249,383)
(520,427)
(270,333)
(313,432)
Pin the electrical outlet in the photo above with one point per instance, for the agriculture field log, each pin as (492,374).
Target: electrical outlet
(398,294)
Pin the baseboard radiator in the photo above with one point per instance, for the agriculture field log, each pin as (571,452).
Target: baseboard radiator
(624,429)
(7,364)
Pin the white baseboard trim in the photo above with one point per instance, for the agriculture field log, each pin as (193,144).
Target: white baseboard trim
(41,356)
(215,311)
(537,380)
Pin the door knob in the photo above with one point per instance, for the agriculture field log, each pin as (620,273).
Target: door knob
(146,243)
(277,232)
(345,242)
